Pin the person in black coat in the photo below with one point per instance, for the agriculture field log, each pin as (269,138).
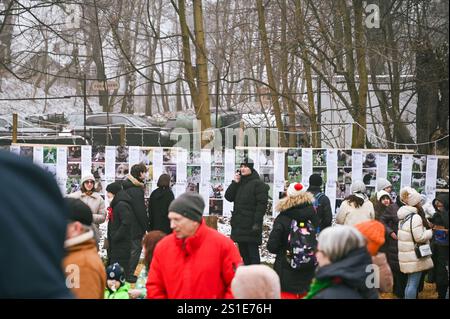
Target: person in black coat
(250,197)
(440,243)
(134,186)
(297,205)
(119,225)
(324,212)
(386,213)
(33,220)
(158,205)
(343,260)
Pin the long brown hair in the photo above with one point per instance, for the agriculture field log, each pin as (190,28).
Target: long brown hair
(358,202)
(149,242)
(421,213)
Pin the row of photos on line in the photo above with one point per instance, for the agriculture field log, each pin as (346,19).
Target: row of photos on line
(210,173)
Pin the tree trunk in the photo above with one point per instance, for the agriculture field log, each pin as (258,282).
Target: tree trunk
(269,70)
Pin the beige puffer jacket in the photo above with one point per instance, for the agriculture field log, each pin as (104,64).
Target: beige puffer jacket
(350,215)
(409,263)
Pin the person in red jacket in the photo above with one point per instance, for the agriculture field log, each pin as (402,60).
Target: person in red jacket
(195,261)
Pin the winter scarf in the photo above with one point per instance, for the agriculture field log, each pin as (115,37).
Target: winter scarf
(110,214)
(318,285)
(135,181)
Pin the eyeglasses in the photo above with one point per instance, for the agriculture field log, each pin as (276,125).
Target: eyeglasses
(89,182)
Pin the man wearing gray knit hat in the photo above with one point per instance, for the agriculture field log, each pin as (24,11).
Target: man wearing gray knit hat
(189,205)
(181,259)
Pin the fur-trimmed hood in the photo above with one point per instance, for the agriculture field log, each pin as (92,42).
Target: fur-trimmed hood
(303,199)
(135,181)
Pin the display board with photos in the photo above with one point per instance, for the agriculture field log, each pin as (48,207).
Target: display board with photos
(211,172)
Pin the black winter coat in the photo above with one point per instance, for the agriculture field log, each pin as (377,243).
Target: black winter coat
(119,229)
(158,209)
(440,218)
(293,281)
(324,212)
(349,275)
(139,220)
(250,197)
(388,217)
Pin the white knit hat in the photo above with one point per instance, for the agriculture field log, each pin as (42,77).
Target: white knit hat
(410,196)
(383,193)
(87,178)
(382,183)
(295,189)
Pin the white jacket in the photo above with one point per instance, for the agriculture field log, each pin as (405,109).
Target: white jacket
(409,263)
(350,215)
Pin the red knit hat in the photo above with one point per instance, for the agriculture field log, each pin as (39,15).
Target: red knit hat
(374,233)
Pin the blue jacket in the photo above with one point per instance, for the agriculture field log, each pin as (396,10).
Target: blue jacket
(33,219)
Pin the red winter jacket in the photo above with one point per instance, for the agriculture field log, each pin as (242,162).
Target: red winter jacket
(198,267)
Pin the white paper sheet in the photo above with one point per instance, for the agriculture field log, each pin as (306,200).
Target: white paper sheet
(330,191)
(407,161)
(38,155)
(279,166)
(157,163)
(86,160)
(110,163)
(382,166)
(230,163)
(134,153)
(182,157)
(357,159)
(431,176)
(61,163)
(332,166)
(307,162)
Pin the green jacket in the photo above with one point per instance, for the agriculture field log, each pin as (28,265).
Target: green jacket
(121,293)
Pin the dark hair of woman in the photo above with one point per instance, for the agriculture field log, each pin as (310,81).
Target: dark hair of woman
(149,242)
(357,201)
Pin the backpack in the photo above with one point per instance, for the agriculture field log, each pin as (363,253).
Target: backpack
(302,243)
(316,202)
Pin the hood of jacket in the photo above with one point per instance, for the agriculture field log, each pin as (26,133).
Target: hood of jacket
(443,199)
(121,196)
(405,211)
(300,201)
(351,271)
(132,181)
(33,220)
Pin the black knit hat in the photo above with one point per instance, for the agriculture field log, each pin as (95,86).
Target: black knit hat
(248,162)
(190,205)
(114,188)
(315,180)
(79,211)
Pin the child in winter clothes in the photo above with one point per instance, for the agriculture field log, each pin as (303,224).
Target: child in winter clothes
(148,245)
(374,231)
(116,287)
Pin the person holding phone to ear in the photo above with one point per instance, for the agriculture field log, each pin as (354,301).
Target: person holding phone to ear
(250,197)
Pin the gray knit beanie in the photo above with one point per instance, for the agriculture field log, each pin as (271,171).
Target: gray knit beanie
(382,183)
(358,187)
(189,205)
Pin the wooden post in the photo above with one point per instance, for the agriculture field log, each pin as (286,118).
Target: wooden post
(211,221)
(14,128)
(122,135)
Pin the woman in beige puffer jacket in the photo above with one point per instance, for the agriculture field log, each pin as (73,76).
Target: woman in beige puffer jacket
(94,200)
(412,220)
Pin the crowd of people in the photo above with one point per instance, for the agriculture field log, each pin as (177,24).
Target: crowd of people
(376,245)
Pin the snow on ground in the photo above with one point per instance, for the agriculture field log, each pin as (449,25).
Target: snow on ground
(12,88)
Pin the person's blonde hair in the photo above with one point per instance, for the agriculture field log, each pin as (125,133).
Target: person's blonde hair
(337,241)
